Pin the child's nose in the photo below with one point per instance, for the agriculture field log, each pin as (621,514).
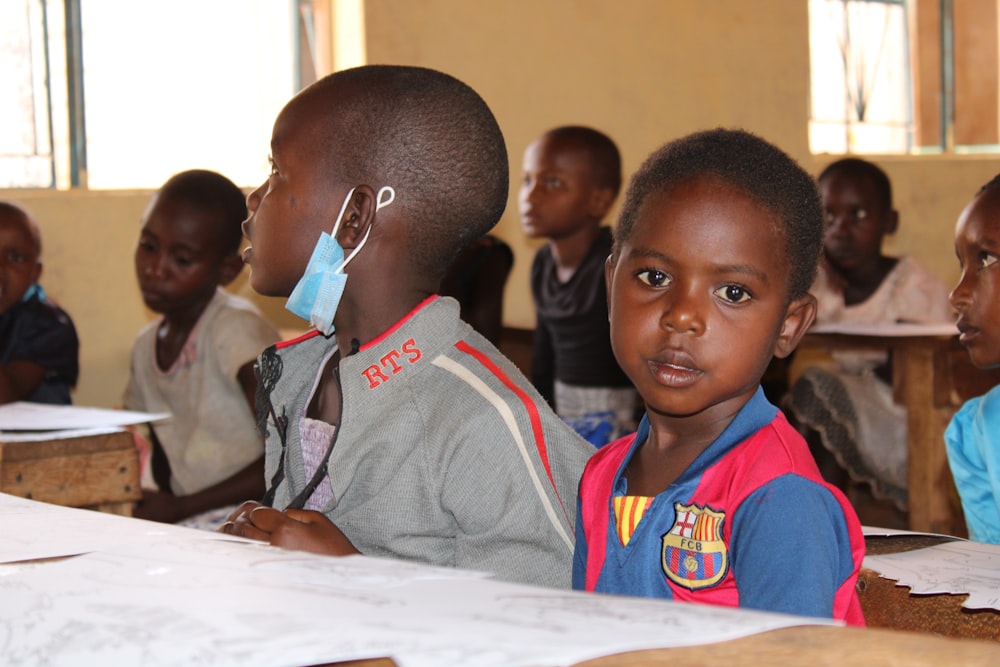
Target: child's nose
(528,190)
(682,312)
(835,225)
(253,199)
(157,265)
(960,295)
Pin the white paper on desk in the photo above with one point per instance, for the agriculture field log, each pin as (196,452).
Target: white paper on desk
(30,530)
(107,608)
(136,601)
(64,434)
(875,531)
(957,568)
(885,329)
(23,416)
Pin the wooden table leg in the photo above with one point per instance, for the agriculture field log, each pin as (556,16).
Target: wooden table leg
(929,474)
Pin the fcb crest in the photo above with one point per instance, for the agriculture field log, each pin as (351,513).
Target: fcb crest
(694,554)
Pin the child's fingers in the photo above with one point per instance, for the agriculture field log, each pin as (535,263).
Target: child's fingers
(244,509)
(267,519)
(244,529)
(305,516)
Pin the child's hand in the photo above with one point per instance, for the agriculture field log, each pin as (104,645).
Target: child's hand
(302,530)
(159,506)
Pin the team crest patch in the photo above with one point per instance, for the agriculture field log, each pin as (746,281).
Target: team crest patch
(694,555)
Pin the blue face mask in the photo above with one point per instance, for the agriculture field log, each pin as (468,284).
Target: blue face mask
(319,290)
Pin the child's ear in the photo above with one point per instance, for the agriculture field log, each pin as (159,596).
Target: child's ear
(230,267)
(38,273)
(601,200)
(799,317)
(891,221)
(358,217)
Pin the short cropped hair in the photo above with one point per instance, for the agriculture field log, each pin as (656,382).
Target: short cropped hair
(991,184)
(757,168)
(429,136)
(14,212)
(863,169)
(605,160)
(215,194)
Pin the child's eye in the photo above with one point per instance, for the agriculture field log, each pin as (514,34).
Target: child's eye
(653,278)
(733,293)
(553,182)
(183,260)
(860,213)
(274,167)
(987,259)
(15,257)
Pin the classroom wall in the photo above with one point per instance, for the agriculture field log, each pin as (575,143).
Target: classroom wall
(644,71)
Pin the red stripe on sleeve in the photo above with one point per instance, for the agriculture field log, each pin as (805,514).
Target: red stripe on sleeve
(529,405)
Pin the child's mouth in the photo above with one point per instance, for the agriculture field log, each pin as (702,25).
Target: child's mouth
(673,375)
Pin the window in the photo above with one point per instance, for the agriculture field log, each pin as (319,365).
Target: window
(904,76)
(859,84)
(122,94)
(26,143)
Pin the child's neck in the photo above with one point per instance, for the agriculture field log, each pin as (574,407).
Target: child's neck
(672,446)
(173,333)
(861,284)
(364,318)
(569,251)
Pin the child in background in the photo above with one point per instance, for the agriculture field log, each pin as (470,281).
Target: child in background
(38,343)
(570,178)
(847,411)
(716,498)
(973,436)
(394,429)
(476,279)
(196,360)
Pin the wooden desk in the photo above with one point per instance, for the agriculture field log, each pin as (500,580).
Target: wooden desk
(808,645)
(890,606)
(931,376)
(95,471)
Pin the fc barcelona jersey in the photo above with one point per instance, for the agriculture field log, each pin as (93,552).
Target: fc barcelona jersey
(750,523)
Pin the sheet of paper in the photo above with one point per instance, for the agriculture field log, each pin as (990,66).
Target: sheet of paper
(902,329)
(875,531)
(163,601)
(960,567)
(64,434)
(32,530)
(23,416)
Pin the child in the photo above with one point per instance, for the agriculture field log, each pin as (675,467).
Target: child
(856,427)
(716,498)
(196,360)
(971,437)
(38,343)
(571,176)
(476,279)
(395,429)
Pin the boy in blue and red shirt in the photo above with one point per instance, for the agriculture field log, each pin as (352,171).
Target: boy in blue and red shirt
(715,499)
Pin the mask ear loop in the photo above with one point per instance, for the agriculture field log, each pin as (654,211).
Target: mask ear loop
(380,203)
(343,207)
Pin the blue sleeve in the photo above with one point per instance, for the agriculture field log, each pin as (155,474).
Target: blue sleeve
(790,548)
(974,459)
(579,552)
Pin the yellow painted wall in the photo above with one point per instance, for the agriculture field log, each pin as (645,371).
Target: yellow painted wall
(644,71)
